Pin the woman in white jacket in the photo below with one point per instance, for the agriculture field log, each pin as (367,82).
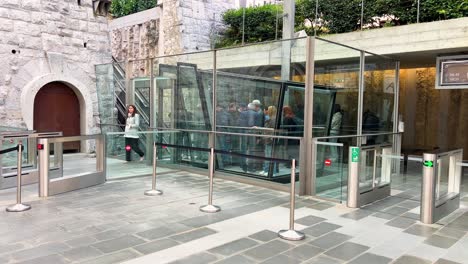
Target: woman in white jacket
(131,136)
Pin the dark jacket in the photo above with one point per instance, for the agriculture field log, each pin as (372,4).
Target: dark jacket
(248,118)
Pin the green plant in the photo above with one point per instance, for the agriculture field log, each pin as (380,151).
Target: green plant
(260,25)
(336,16)
(120,8)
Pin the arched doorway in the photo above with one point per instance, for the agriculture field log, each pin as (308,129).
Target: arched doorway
(57,108)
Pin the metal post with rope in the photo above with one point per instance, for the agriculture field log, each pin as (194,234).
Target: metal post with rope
(154,191)
(18,207)
(291,234)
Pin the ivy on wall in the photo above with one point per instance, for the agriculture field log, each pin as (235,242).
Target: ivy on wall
(120,8)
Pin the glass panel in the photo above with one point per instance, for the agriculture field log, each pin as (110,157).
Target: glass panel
(385,163)
(9,160)
(251,82)
(117,155)
(366,171)
(443,166)
(184,89)
(87,161)
(337,69)
(138,79)
(379,91)
(331,171)
(251,158)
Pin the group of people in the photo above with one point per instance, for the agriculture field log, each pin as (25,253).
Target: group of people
(252,119)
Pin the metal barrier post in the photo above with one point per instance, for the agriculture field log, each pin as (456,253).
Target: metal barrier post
(292,234)
(43,157)
(153,191)
(18,207)
(210,208)
(353,178)
(428,188)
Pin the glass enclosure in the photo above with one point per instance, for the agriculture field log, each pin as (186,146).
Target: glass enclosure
(256,90)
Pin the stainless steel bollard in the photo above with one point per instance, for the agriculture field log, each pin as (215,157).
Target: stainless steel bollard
(292,234)
(210,208)
(19,207)
(153,191)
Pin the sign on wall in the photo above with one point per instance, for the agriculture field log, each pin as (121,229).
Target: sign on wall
(452,72)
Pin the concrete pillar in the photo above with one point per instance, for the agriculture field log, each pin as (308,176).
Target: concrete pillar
(288,32)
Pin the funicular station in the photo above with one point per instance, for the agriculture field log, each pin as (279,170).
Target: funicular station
(308,116)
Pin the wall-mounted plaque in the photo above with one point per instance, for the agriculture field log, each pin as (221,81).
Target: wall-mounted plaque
(452,72)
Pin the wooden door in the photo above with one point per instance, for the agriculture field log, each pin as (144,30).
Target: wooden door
(56,108)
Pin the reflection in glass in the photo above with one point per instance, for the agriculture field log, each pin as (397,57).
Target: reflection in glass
(379,92)
(443,166)
(366,170)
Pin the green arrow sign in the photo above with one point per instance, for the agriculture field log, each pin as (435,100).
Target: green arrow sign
(355,154)
(428,163)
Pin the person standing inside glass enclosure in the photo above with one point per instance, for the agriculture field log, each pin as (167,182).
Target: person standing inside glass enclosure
(247,120)
(370,125)
(234,114)
(131,134)
(335,129)
(223,141)
(290,124)
(270,125)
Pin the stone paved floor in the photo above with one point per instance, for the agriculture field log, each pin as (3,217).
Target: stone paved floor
(115,222)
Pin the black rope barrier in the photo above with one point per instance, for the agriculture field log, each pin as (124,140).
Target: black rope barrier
(224,152)
(8,150)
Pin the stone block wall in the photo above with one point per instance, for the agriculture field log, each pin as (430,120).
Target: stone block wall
(135,36)
(49,40)
(201,22)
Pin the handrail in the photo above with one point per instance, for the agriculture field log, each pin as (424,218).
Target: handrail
(34,134)
(352,136)
(105,124)
(74,138)
(253,128)
(168,130)
(17,133)
(140,96)
(139,132)
(226,133)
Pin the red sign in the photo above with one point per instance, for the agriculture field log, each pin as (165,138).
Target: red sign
(328,162)
(40,146)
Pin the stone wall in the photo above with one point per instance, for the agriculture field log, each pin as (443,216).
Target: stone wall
(135,36)
(201,22)
(49,40)
(173,27)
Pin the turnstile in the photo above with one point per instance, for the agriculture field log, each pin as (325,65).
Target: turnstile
(50,184)
(440,191)
(370,170)
(8,167)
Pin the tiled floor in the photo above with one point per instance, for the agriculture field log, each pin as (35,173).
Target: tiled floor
(115,223)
